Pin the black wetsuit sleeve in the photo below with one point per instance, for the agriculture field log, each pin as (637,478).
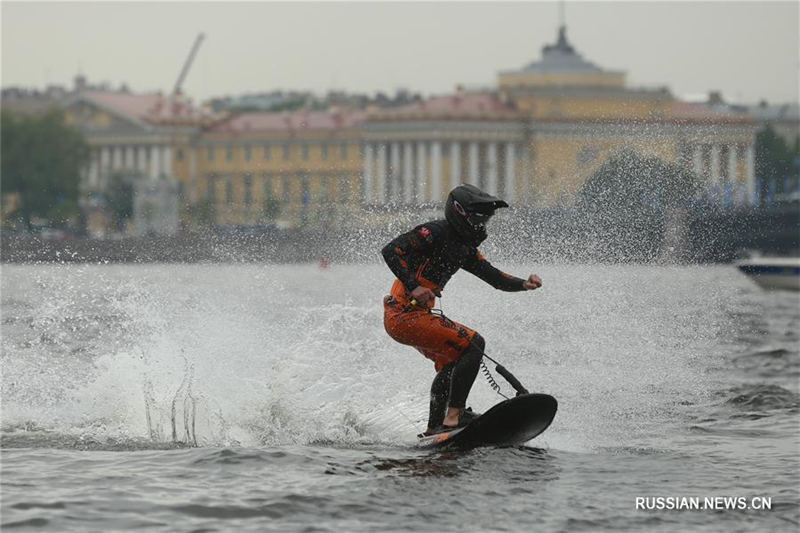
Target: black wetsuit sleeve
(401,253)
(492,275)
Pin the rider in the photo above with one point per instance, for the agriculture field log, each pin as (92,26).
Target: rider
(424,260)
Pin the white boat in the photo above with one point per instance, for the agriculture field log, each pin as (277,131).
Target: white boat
(774,273)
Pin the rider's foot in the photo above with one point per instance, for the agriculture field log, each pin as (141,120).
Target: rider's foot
(435,431)
(458,418)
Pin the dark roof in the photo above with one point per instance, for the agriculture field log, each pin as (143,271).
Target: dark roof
(561,57)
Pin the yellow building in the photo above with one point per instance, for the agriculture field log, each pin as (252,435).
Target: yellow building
(548,128)
(534,141)
(564,85)
(298,168)
(581,114)
(414,155)
(242,169)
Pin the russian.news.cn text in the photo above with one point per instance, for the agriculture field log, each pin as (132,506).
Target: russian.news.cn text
(706,503)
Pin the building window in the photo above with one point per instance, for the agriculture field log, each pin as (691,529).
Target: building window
(305,190)
(267,150)
(343,150)
(344,192)
(285,150)
(586,155)
(209,153)
(304,151)
(324,150)
(211,188)
(286,191)
(229,153)
(322,196)
(228,191)
(247,152)
(248,189)
(179,154)
(268,187)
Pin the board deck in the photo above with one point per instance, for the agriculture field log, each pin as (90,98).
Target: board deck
(511,422)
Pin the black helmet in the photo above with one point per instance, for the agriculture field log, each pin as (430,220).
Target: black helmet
(468,209)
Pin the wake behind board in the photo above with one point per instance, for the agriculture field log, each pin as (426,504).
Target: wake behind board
(509,423)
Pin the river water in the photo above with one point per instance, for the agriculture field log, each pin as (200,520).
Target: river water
(269,398)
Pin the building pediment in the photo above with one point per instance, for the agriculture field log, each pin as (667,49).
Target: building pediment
(92,117)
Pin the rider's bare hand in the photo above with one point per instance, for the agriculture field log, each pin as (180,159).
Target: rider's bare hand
(533,282)
(422,295)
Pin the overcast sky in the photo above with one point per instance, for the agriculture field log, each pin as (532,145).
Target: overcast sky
(747,50)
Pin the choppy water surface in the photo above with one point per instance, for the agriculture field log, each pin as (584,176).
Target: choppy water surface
(221,398)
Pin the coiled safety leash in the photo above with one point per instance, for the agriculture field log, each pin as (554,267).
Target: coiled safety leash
(508,376)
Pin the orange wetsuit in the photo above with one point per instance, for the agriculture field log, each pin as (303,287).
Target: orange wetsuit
(428,256)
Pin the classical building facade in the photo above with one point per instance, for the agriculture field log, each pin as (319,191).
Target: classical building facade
(549,126)
(415,155)
(139,135)
(534,141)
(299,168)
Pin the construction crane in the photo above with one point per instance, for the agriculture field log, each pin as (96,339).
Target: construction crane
(188,63)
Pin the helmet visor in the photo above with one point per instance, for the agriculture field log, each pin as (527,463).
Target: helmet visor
(477,217)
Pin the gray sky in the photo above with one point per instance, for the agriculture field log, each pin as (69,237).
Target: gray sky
(748,50)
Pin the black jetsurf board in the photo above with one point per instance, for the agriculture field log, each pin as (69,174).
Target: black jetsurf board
(509,423)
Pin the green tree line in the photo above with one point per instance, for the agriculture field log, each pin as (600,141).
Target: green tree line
(776,162)
(41,160)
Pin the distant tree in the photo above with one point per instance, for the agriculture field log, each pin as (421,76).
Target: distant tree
(625,205)
(271,208)
(41,160)
(290,104)
(775,161)
(203,213)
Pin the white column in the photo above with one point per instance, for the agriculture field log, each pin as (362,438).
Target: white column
(408,172)
(116,163)
(105,166)
(192,174)
(435,193)
(528,178)
(511,164)
(105,159)
(698,160)
(369,178)
(155,162)
(473,163)
(394,174)
(380,183)
(732,177)
(94,168)
(422,174)
(715,174)
(750,173)
(166,161)
(455,164)
(491,181)
(714,164)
